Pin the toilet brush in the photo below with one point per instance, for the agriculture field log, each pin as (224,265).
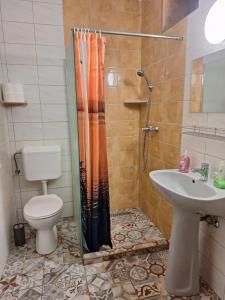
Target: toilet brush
(19,232)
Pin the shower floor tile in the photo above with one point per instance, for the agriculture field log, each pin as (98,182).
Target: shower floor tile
(62,276)
(131,231)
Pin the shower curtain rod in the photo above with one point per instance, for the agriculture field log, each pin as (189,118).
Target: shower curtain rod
(133,34)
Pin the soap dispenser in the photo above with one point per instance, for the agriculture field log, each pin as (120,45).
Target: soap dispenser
(219,176)
(184,163)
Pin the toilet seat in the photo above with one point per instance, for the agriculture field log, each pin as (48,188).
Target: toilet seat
(44,206)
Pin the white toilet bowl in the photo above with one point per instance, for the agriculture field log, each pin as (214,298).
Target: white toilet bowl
(43,213)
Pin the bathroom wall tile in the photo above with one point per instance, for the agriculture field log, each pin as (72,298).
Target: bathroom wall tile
(11,132)
(22,48)
(17,54)
(23,74)
(52,94)
(50,55)
(54,113)
(28,131)
(29,185)
(1,33)
(51,75)
(66,163)
(212,254)
(164,64)
(31,93)
(21,144)
(55,130)
(20,33)
(68,209)
(17,10)
(27,195)
(65,193)
(2,53)
(64,145)
(50,1)
(45,13)
(49,35)
(17,200)
(213,251)
(191,119)
(217,234)
(9,114)
(216,120)
(215,148)
(213,277)
(194,143)
(31,113)
(64,181)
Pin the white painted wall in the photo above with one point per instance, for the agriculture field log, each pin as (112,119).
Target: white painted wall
(32,46)
(6,185)
(212,241)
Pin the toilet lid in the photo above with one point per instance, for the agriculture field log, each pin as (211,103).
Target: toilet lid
(43,206)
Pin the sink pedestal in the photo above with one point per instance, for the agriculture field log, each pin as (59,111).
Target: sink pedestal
(182,276)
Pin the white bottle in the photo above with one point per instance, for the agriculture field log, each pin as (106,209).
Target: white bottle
(221,170)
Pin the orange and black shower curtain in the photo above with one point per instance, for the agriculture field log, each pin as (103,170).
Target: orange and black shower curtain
(89,71)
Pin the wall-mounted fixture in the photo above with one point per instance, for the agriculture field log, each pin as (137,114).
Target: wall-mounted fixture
(112,77)
(215,23)
(13,94)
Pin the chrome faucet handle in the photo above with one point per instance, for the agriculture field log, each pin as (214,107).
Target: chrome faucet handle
(150,129)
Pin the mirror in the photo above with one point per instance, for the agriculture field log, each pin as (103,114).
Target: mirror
(208,83)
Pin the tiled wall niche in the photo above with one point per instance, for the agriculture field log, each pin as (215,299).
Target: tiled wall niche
(32,46)
(212,240)
(122,122)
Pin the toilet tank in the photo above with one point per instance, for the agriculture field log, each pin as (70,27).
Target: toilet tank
(41,162)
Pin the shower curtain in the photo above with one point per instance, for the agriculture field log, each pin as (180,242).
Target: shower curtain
(89,73)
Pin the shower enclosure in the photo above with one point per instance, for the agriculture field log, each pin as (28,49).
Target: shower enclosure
(126,147)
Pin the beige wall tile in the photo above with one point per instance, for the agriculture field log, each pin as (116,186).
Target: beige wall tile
(122,122)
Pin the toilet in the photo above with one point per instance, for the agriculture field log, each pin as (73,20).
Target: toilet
(43,163)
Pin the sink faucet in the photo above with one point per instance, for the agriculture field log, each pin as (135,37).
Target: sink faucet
(203,171)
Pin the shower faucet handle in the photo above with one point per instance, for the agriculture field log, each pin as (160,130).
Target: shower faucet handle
(150,129)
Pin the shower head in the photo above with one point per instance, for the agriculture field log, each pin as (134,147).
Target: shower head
(141,73)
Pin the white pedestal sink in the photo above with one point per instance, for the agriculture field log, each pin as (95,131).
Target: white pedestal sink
(190,198)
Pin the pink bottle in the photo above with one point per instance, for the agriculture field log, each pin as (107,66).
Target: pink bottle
(184,163)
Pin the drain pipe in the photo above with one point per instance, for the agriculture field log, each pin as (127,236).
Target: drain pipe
(211,220)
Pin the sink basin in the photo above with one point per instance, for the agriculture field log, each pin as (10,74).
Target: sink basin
(191,198)
(188,192)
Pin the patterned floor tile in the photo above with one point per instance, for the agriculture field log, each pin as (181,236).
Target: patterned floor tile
(131,270)
(77,287)
(12,268)
(9,284)
(31,294)
(32,273)
(58,275)
(102,295)
(76,270)
(124,291)
(100,281)
(96,268)
(53,292)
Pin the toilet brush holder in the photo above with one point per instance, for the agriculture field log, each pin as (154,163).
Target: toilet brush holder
(19,234)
